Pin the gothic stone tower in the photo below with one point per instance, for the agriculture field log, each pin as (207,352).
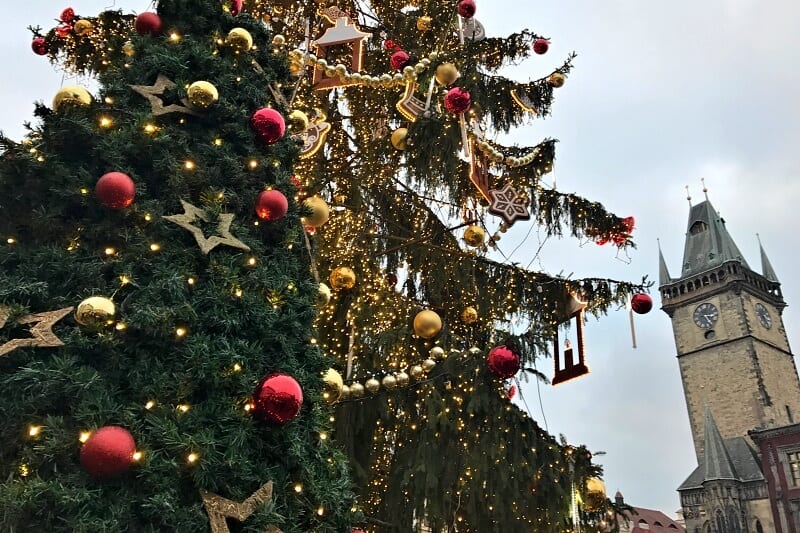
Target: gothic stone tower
(737,369)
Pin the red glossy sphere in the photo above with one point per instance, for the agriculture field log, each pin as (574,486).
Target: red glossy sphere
(268,125)
(466,8)
(277,399)
(399,60)
(503,363)
(540,46)
(108,452)
(115,190)
(641,303)
(271,205)
(147,23)
(457,100)
(39,46)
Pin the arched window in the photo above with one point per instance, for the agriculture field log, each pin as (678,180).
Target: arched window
(719,523)
(733,521)
(759,529)
(698,227)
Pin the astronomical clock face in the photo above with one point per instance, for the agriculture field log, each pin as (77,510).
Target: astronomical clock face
(706,315)
(763,316)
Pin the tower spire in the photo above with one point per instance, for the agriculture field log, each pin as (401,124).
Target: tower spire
(663,273)
(766,267)
(688,195)
(705,189)
(708,243)
(717,462)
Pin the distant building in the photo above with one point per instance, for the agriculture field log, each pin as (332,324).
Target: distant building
(647,520)
(740,383)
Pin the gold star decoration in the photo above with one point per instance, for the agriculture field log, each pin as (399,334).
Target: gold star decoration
(218,508)
(152,93)
(42,335)
(192,213)
(506,203)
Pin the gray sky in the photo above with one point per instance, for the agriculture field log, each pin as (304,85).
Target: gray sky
(663,93)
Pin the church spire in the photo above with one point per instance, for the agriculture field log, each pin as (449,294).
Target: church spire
(663,273)
(717,463)
(766,267)
(708,243)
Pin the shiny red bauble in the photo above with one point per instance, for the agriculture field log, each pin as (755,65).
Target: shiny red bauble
(39,46)
(399,60)
(457,100)
(268,125)
(115,190)
(628,223)
(503,363)
(641,303)
(147,23)
(390,44)
(67,15)
(466,8)
(277,399)
(540,46)
(108,452)
(271,205)
(236,7)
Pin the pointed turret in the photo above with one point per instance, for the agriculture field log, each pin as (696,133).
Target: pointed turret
(663,272)
(766,267)
(717,463)
(708,243)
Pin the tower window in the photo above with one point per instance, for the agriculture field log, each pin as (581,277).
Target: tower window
(698,227)
(789,414)
(794,467)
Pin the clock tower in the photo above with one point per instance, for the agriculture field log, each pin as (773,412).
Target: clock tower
(737,369)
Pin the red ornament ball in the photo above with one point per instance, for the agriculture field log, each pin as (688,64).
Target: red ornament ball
(147,23)
(399,60)
(277,399)
(271,205)
(457,100)
(108,452)
(63,30)
(641,303)
(268,124)
(39,46)
(115,190)
(628,223)
(236,7)
(389,44)
(540,46)
(466,8)
(503,363)
(68,15)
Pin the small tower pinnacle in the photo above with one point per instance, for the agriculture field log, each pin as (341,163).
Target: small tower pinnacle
(766,267)
(663,273)
(688,195)
(705,189)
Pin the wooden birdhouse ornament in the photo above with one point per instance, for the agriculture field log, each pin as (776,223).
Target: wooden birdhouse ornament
(343,31)
(566,365)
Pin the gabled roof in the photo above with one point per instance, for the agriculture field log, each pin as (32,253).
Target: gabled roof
(651,520)
(708,243)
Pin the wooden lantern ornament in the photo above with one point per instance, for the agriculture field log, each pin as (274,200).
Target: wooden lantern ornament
(343,31)
(571,368)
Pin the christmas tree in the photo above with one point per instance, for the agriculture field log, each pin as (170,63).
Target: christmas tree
(158,367)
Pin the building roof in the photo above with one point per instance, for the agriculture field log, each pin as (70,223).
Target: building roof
(654,521)
(708,243)
(742,459)
(717,462)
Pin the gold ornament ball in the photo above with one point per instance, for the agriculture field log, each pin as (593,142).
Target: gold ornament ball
(595,494)
(128,49)
(71,95)
(345,393)
(424,23)
(428,365)
(474,236)
(402,379)
(437,352)
(356,390)
(239,39)
(372,385)
(83,27)
(557,79)
(399,138)
(389,382)
(343,278)
(295,69)
(446,73)
(332,385)
(427,324)
(319,211)
(95,312)
(297,122)
(278,40)
(202,94)
(416,371)
(469,315)
(323,294)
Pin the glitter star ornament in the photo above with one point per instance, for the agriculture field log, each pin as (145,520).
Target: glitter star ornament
(507,204)
(42,335)
(192,213)
(218,508)
(155,91)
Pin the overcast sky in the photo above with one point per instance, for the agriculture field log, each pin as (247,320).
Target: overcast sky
(663,93)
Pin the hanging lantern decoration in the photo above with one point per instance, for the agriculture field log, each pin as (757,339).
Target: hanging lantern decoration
(271,205)
(427,324)
(343,278)
(277,399)
(332,385)
(571,369)
(108,452)
(503,362)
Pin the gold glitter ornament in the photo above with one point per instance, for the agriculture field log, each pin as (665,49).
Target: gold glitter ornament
(128,49)
(469,315)
(427,324)
(202,95)
(428,365)
(345,393)
(399,138)
(332,385)
(416,371)
(595,497)
(319,211)
(474,236)
(343,278)
(372,385)
(95,312)
(297,122)
(557,79)
(71,95)
(323,294)
(446,73)
(356,390)
(239,39)
(437,352)
(424,23)
(83,27)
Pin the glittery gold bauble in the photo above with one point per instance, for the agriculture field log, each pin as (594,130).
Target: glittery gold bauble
(474,236)
(343,278)
(402,379)
(372,385)
(297,122)
(71,95)
(128,49)
(446,73)
(437,352)
(416,371)
(95,312)
(323,294)
(356,390)
(345,393)
(202,94)
(427,324)
(424,23)
(239,39)
(319,211)
(278,40)
(399,138)
(295,69)
(83,27)
(389,382)
(557,79)
(595,496)
(469,315)
(427,365)
(332,385)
